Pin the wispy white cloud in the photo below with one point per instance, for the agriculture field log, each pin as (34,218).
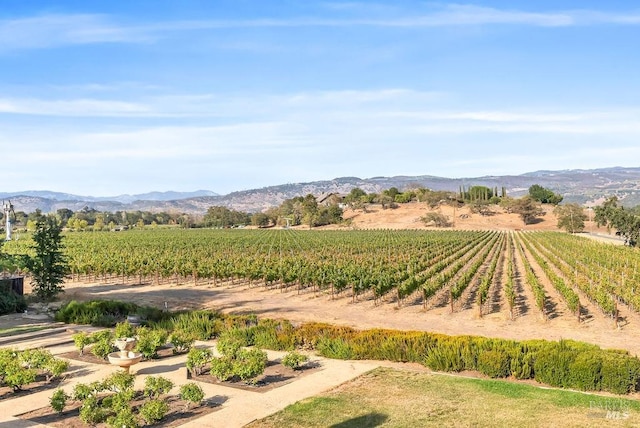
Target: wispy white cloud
(371,112)
(448,15)
(46,31)
(72,108)
(71,29)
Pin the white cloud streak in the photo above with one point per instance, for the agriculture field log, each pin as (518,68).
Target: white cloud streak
(46,31)
(302,136)
(381,112)
(56,30)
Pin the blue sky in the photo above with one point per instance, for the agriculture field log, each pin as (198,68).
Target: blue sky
(105,98)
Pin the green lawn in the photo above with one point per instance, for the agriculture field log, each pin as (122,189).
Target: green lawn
(4,332)
(397,398)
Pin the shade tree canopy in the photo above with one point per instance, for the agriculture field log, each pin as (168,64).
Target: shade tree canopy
(543,195)
(571,217)
(625,222)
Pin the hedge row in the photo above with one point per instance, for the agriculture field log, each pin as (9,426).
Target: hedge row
(104,313)
(566,363)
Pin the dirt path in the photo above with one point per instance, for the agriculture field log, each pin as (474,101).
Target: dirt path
(362,314)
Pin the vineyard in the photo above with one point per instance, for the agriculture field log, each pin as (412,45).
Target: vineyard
(483,271)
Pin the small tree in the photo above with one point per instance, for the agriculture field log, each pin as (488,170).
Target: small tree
(571,217)
(528,209)
(49,266)
(435,219)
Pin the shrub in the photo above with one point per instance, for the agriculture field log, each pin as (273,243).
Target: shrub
(221,368)
(239,321)
(273,334)
(124,329)
(104,313)
(522,357)
(150,341)
(54,368)
(35,358)
(101,335)
(123,419)
(202,325)
(181,341)
(445,358)
(191,393)
(494,363)
(119,401)
(249,364)
(155,386)
(81,340)
(294,360)
(119,381)
(82,391)
(102,348)
(585,372)
(153,411)
(334,348)
(231,341)
(197,359)
(16,376)
(309,335)
(620,373)
(59,400)
(91,413)
(403,346)
(11,303)
(552,364)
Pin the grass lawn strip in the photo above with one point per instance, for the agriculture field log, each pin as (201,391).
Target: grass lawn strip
(397,398)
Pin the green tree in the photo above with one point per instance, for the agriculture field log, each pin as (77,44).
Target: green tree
(481,193)
(626,223)
(225,217)
(64,214)
(355,197)
(528,208)
(571,217)
(99,223)
(544,195)
(48,267)
(260,220)
(391,192)
(386,200)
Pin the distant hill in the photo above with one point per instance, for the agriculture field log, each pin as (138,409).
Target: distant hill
(125,199)
(581,186)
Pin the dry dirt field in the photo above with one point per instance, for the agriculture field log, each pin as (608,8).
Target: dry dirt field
(364,313)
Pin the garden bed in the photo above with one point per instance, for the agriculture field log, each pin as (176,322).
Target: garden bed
(39,385)
(88,357)
(275,375)
(176,416)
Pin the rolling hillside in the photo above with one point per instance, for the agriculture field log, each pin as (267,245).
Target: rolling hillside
(582,186)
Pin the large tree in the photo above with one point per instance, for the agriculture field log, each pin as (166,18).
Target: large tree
(626,223)
(49,266)
(224,217)
(544,195)
(571,217)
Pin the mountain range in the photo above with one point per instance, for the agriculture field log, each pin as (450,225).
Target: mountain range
(584,186)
